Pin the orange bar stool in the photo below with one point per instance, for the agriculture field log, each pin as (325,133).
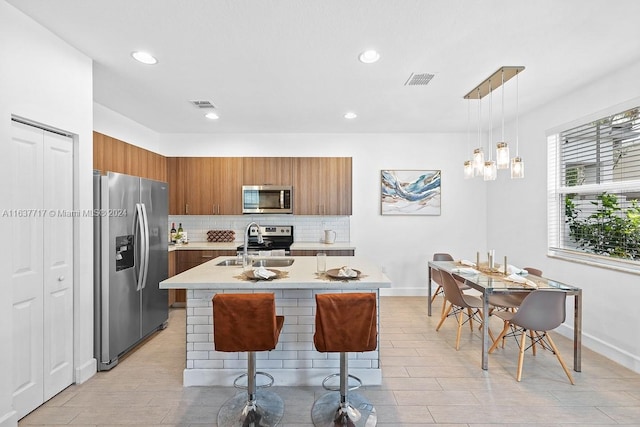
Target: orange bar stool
(248,323)
(345,323)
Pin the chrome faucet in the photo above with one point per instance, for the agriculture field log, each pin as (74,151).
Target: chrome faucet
(245,255)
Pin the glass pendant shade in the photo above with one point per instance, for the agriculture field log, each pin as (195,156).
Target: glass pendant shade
(490,171)
(468,169)
(478,161)
(517,168)
(502,155)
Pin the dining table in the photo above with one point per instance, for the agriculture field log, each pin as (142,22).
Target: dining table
(494,281)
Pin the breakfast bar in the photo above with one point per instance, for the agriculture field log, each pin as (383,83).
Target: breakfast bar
(295,360)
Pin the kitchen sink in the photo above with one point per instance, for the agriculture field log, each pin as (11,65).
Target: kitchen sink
(281,262)
(228,262)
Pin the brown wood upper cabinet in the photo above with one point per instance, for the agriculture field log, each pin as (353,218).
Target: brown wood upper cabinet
(322,186)
(112,155)
(205,185)
(267,170)
(227,185)
(175,177)
(212,185)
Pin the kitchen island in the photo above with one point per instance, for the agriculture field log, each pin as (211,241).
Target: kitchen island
(295,360)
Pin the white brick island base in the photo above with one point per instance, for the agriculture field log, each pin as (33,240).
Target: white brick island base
(295,360)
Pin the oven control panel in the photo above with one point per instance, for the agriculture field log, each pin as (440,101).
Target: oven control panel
(272,230)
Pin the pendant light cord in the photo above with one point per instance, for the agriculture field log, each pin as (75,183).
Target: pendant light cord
(502,105)
(490,120)
(517,114)
(468,125)
(479,118)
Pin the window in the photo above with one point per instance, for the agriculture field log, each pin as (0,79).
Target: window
(594,191)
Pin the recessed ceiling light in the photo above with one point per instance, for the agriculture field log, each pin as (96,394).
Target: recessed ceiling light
(350,115)
(144,57)
(212,116)
(369,56)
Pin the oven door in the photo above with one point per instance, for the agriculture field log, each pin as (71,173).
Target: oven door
(263,199)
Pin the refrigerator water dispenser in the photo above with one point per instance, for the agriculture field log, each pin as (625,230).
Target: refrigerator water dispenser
(124,252)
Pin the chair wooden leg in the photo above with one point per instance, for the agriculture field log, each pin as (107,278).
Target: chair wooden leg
(533,342)
(444,303)
(500,337)
(438,291)
(444,316)
(459,329)
(480,327)
(470,314)
(523,344)
(555,350)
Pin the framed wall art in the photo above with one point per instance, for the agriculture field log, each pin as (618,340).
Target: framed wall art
(410,192)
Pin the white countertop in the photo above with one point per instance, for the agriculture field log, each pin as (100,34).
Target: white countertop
(301,275)
(232,246)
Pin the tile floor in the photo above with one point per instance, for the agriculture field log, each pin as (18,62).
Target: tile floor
(425,382)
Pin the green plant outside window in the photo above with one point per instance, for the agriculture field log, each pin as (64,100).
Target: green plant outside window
(610,230)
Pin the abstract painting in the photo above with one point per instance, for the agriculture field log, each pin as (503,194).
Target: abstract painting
(410,192)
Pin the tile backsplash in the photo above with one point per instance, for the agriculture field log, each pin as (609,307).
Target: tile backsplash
(305,228)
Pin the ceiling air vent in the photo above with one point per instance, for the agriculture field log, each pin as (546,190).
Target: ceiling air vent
(419,79)
(202,104)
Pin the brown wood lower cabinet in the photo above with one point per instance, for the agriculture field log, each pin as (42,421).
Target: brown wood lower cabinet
(186,259)
(333,252)
(172,272)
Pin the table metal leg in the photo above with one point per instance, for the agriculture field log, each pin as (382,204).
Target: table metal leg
(485,330)
(577,332)
(429,291)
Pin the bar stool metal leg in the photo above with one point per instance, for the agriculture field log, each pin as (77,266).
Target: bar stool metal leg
(255,408)
(342,408)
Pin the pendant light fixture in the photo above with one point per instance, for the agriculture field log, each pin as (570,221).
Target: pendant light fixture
(490,172)
(488,168)
(517,164)
(502,150)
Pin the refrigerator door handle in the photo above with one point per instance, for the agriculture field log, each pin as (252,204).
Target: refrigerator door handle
(140,232)
(145,221)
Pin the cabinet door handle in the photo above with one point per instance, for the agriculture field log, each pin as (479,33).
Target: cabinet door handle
(207,256)
(186,208)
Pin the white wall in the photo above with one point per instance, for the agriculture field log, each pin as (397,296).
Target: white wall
(44,80)
(519,228)
(109,122)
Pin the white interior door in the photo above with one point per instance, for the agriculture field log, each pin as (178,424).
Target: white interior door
(58,263)
(42,355)
(26,276)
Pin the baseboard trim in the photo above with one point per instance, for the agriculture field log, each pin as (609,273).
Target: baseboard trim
(624,358)
(86,371)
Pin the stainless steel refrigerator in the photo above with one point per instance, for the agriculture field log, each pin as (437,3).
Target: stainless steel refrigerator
(130,260)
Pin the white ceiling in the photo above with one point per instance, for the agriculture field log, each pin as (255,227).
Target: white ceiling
(291,65)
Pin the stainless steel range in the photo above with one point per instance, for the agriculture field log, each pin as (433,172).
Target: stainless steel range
(275,237)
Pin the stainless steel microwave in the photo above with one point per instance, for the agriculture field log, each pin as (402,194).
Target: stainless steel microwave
(267,199)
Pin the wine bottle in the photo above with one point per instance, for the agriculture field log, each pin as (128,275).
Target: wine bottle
(173,232)
(180,230)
